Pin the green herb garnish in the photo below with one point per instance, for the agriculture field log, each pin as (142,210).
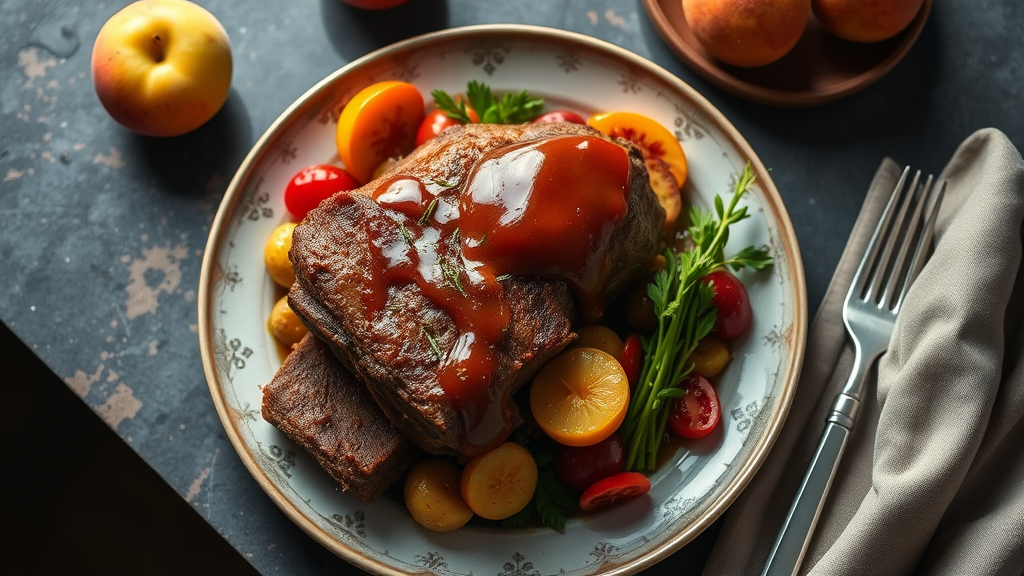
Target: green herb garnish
(430,212)
(433,344)
(512,108)
(685,314)
(454,276)
(406,235)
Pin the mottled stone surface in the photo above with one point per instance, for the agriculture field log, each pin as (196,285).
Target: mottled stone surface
(103,231)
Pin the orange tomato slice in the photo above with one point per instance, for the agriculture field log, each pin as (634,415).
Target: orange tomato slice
(653,139)
(580,397)
(380,122)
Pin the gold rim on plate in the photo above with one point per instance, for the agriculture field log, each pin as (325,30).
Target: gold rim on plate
(212,273)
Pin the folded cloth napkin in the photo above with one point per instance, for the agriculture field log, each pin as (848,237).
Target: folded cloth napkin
(932,481)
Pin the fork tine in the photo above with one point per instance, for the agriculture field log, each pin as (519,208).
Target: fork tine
(890,295)
(861,277)
(881,264)
(920,253)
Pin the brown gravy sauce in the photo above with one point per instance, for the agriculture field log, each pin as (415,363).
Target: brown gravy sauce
(546,207)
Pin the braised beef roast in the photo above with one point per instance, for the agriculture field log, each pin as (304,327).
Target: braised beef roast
(325,409)
(393,335)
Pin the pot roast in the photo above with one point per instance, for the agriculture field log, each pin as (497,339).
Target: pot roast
(410,282)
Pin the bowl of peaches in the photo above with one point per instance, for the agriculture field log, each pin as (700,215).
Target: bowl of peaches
(502,299)
(790,52)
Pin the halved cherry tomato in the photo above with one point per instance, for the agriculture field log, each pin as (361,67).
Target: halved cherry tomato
(559,116)
(734,314)
(614,490)
(380,122)
(697,413)
(435,123)
(632,359)
(314,184)
(438,121)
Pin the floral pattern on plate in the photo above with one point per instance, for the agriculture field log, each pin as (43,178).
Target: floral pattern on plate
(698,481)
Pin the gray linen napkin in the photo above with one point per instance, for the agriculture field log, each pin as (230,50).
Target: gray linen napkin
(933,479)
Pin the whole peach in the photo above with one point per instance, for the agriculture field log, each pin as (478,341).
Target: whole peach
(865,20)
(162,67)
(747,32)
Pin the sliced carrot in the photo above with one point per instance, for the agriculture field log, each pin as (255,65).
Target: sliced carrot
(580,397)
(380,122)
(653,139)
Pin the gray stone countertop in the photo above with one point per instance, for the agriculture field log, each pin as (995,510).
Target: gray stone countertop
(103,231)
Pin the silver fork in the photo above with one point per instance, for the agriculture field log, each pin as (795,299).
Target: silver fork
(872,304)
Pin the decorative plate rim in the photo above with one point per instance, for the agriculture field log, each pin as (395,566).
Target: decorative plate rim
(211,272)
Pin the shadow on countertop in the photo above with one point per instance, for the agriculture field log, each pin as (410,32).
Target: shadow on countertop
(351,30)
(79,500)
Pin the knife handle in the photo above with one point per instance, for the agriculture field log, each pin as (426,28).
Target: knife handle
(791,544)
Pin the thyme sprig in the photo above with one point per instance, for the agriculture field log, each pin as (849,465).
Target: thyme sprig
(683,305)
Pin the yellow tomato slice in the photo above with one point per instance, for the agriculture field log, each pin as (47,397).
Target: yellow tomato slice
(500,483)
(380,122)
(600,337)
(580,398)
(653,139)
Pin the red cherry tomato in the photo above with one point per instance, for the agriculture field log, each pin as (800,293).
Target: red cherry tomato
(614,490)
(438,121)
(559,116)
(435,123)
(632,359)
(734,314)
(697,413)
(578,467)
(314,184)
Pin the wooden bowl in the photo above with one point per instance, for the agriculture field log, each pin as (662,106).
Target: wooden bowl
(820,68)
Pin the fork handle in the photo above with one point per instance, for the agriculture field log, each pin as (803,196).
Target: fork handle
(788,552)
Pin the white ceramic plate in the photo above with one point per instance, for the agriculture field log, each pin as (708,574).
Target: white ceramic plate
(570,71)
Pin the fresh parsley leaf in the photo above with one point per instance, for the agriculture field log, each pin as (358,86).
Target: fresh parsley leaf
(454,109)
(702,226)
(512,108)
(756,258)
(479,96)
(553,500)
(519,108)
